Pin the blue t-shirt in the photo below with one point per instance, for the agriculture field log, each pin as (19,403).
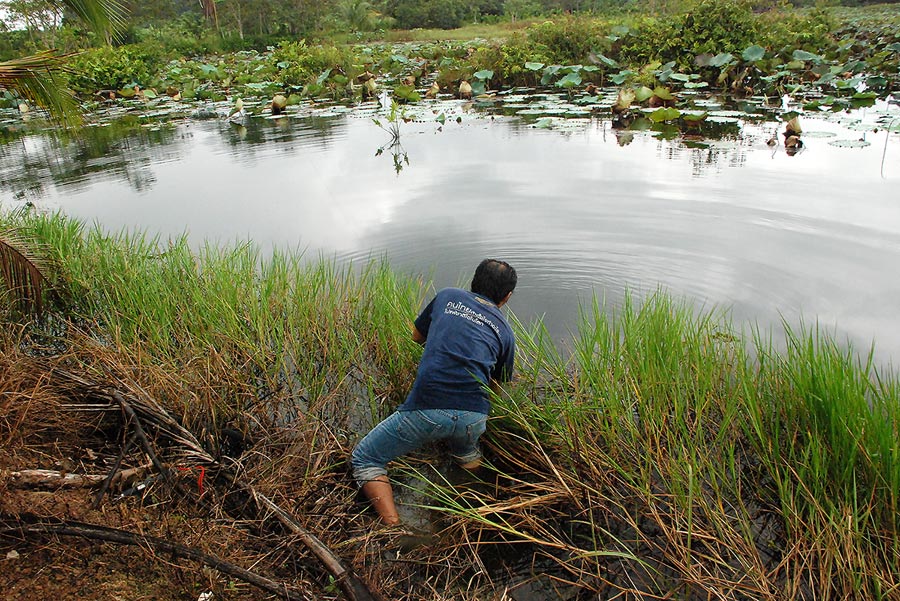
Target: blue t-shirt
(468,343)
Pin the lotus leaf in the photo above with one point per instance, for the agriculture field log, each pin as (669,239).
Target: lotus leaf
(696,84)
(693,117)
(720,60)
(803,55)
(620,77)
(664,114)
(569,81)
(895,47)
(483,74)
(322,77)
(663,93)
(605,60)
(753,53)
(642,94)
(534,66)
(549,73)
(680,77)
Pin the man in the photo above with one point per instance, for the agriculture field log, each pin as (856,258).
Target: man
(469,347)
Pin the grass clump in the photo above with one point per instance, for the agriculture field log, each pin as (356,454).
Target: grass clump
(667,455)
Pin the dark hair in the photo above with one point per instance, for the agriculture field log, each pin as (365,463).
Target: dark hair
(494,279)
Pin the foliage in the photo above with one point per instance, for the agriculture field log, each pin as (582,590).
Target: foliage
(35,77)
(569,39)
(443,14)
(299,64)
(508,60)
(114,68)
(357,14)
(184,36)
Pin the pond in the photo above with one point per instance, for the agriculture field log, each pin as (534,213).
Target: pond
(580,207)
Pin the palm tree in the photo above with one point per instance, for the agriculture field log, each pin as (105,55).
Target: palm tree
(34,77)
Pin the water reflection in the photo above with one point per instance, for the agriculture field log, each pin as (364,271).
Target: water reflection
(715,215)
(33,162)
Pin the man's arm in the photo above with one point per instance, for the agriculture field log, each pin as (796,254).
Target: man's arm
(417,336)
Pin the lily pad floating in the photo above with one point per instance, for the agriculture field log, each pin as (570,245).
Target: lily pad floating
(543,123)
(850,143)
(819,134)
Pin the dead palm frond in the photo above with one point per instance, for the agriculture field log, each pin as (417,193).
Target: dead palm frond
(23,273)
(35,77)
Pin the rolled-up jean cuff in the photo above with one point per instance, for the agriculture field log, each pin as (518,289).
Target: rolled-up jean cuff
(367,474)
(467,458)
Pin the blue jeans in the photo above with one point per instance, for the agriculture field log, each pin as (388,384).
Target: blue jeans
(405,431)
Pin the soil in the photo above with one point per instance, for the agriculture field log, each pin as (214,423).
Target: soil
(67,567)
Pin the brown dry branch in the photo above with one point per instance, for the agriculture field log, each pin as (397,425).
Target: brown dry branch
(139,407)
(25,526)
(40,478)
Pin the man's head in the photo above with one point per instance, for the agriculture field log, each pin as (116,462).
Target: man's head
(494,279)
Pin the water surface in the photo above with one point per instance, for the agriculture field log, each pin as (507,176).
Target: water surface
(579,209)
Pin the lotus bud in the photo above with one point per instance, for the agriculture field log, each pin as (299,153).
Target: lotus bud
(433,91)
(370,88)
(465,89)
(279,103)
(623,100)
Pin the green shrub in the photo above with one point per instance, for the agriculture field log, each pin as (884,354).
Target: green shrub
(109,68)
(507,61)
(299,65)
(569,39)
(647,39)
(784,32)
(443,14)
(185,36)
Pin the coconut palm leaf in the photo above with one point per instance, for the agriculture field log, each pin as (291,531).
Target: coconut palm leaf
(104,16)
(35,77)
(23,273)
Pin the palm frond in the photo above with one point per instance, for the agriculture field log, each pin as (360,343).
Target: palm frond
(104,16)
(35,77)
(23,272)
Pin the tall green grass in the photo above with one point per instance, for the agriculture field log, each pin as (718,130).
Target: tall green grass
(666,454)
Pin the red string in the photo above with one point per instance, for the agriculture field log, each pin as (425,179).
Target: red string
(199,478)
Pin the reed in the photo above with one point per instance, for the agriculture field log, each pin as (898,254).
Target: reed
(665,454)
